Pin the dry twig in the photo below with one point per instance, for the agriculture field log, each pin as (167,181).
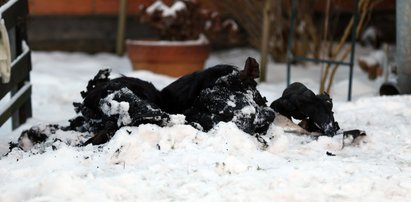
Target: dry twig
(364,6)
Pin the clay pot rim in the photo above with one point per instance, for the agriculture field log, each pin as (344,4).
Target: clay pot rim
(201,41)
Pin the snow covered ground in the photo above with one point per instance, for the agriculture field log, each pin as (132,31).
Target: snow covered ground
(180,163)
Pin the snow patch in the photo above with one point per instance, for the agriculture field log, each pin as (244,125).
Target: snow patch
(374,58)
(278,141)
(202,40)
(111,107)
(231,102)
(177,119)
(248,110)
(166,11)
(227,137)
(231,165)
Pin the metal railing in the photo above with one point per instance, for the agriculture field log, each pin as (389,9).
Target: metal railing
(292,58)
(18,106)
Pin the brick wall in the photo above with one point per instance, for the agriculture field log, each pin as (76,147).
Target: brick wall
(91,25)
(110,7)
(84,25)
(83,7)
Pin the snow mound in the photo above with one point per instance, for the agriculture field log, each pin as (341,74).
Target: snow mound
(200,168)
(179,162)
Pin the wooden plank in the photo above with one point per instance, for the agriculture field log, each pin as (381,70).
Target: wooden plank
(121,28)
(20,70)
(264,41)
(19,99)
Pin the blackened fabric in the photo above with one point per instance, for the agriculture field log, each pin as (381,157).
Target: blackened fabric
(231,99)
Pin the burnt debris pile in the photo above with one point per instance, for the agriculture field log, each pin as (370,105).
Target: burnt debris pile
(220,93)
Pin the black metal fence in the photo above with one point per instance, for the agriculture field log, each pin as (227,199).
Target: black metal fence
(18,105)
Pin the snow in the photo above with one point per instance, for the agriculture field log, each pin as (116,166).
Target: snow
(231,23)
(200,41)
(110,107)
(370,35)
(6,6)
(181,163)
(166,11)
(374,58)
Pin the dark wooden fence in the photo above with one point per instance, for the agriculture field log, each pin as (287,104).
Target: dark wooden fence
(18,106)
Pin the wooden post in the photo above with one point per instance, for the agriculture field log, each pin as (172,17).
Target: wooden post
(264,40)
(121,28)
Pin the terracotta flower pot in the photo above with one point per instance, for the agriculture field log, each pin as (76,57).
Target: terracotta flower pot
(166,57)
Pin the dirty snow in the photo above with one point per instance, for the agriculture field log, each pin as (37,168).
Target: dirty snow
(180,163)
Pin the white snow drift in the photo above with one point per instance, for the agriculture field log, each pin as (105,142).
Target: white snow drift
(180,163)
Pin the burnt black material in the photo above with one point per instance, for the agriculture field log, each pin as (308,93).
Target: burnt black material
(110,104)
(180,95)
(232,97)
(218,94)
(299,102)
(101,86)
(354,133)
(35,135)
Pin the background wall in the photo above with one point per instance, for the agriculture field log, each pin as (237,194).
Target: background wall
(91,25)
(83,7)
(81,25)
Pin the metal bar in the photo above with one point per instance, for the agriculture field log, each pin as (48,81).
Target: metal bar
(15,12)
(290,40)
(403,47)
(316,60)
(353,36)
(15,103)
(291,58)
(24,109)
(23,113)
(12,11)
(20,68)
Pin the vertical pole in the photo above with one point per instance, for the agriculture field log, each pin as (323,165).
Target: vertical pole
(264,40)
(353,36)
(386,68)
(121,27)
(403,47)
(290,40)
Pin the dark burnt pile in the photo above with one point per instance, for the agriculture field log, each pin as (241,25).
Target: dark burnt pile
(314,111)
(109,104)
(220,93)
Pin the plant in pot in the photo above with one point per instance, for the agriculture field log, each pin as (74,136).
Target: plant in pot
(182,46)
